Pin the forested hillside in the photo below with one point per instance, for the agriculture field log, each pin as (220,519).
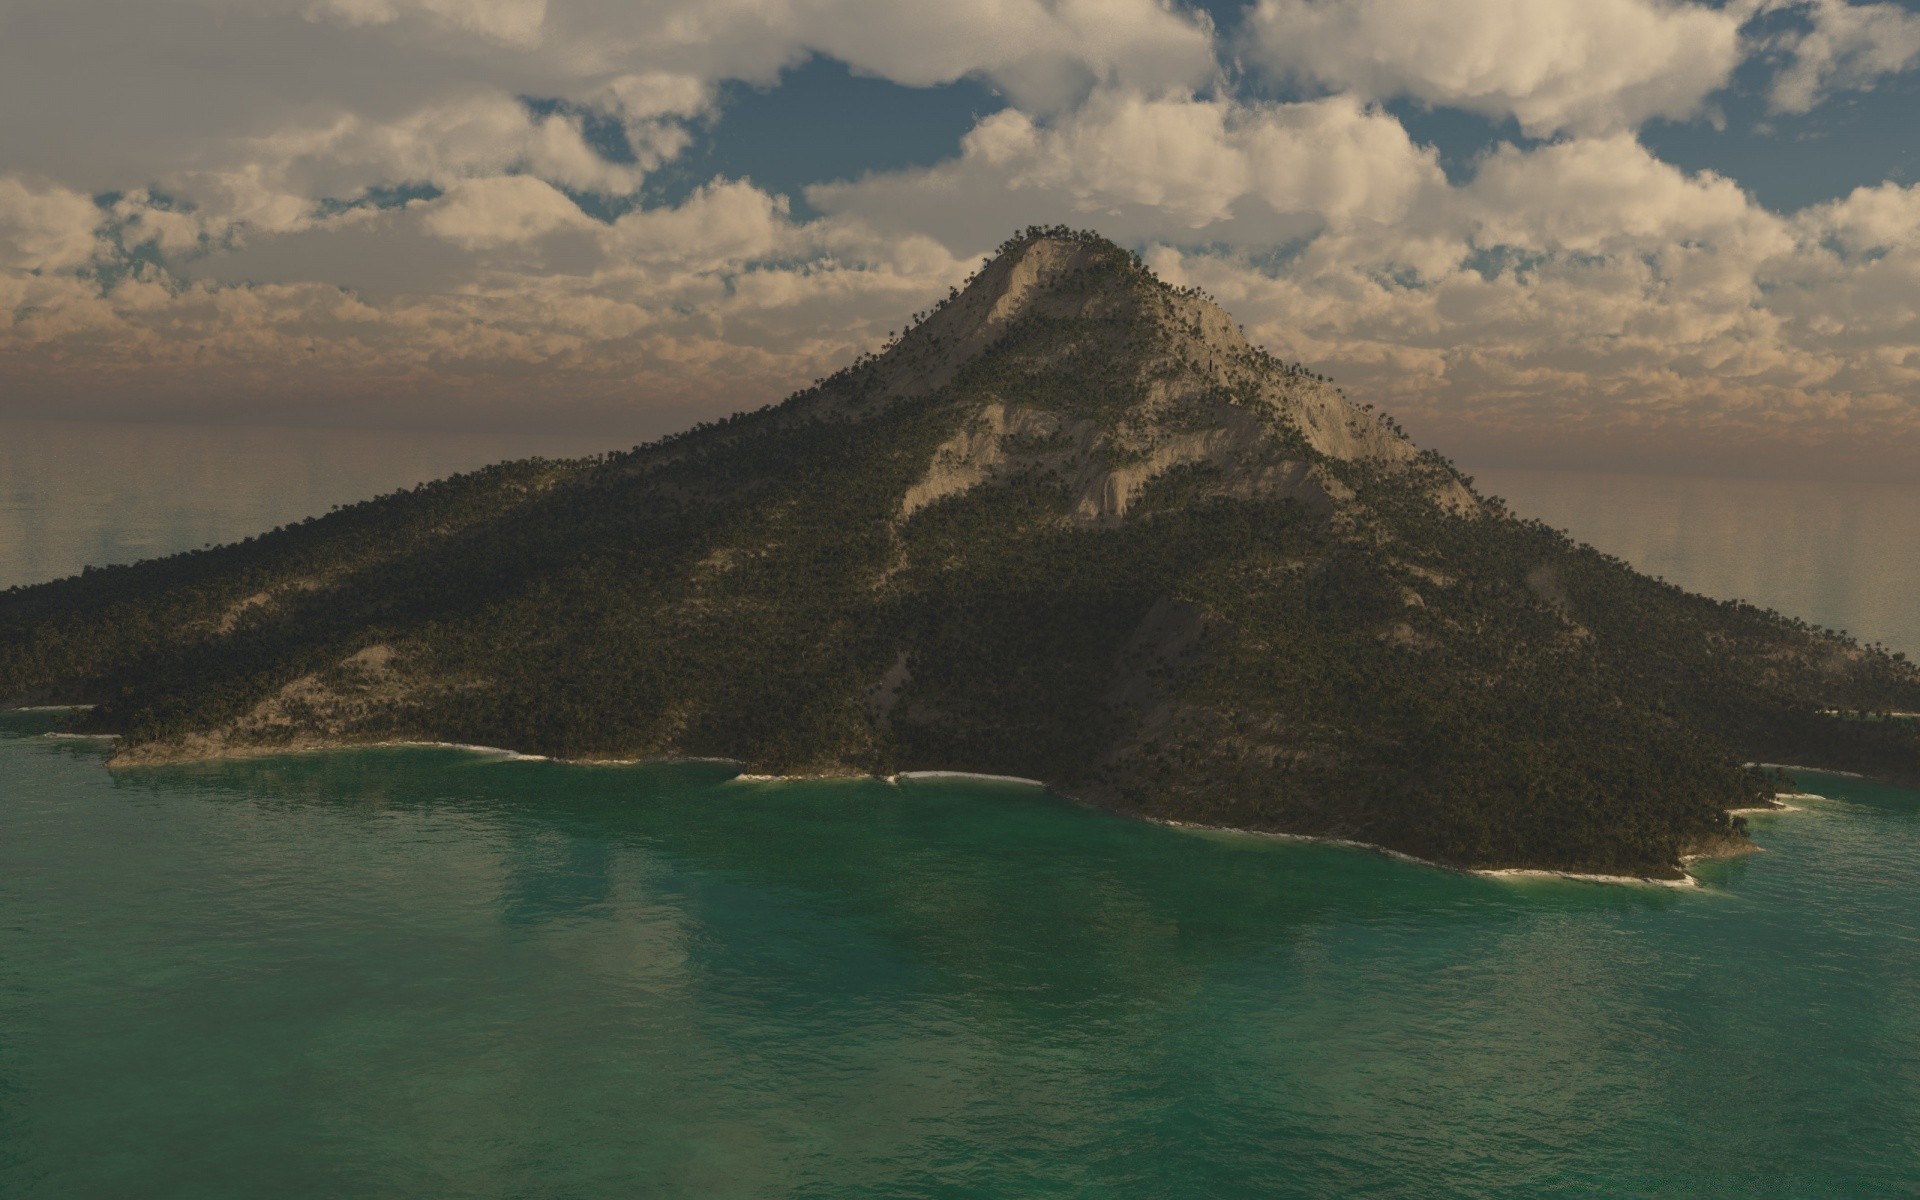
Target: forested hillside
(1069,525)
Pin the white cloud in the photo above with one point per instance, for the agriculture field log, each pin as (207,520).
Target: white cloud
(1173,155)
(1845,46)
(44,227)
(1043,52)
(273,183)
(442,144)
(1596,195)
(725,223)
(650,95)
(1138,166)
(1581,291)
(479,214)
(1580,65)
(646,323)
(1562,291)
(1588,297)
(156,107)
(516,22)
(1338,161)
(1880,218)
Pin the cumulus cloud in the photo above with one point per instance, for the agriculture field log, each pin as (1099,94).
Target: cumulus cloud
(478,214)
(45,227)
(516,22)
(1697,326)
(1845,46)
(441,145)
(532,312)
(155,105)
(1599,195)
(442,218)
(282,182)
(1043,52)
(1576,65)
(1138,165)
(1868,220)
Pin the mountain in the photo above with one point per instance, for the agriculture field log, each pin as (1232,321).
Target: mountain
(1070,525)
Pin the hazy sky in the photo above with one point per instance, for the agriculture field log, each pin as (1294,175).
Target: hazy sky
(1630,232)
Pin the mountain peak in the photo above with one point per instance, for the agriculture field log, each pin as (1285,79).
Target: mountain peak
(1072,527)
(1054,307)
(1041,273)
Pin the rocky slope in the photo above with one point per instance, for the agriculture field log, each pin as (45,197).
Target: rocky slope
(1071,526)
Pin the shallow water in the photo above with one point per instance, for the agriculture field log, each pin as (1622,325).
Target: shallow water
(431,972)
(434,972)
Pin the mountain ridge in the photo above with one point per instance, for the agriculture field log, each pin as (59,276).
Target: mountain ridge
(1068,525)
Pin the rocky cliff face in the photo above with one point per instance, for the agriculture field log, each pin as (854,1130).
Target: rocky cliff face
(1187,351)
(1192,392)
(1071,526)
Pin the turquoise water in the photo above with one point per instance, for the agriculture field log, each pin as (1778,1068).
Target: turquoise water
(427,972)
(424,972)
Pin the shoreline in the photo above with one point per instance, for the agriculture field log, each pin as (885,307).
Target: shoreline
(1685,880)
(744,777)
(491,751)
(1815,770)
(975,775)
(894,779)
(247,752)
(502,753)
(1779,806)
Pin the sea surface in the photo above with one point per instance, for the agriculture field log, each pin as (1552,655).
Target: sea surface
(91,493)
(1839,553)
(424,972)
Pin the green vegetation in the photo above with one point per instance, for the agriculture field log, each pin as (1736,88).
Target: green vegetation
(1256,633)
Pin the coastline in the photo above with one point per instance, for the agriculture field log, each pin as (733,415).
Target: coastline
(1802,767)
(1016,779)
(895,779)
(498,751)
(504,754)
(116,763)
(745,777)
(1780,804)
(1685,880)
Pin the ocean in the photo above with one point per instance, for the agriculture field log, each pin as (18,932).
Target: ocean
(434,972)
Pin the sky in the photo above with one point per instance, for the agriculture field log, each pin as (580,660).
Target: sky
(1643,234)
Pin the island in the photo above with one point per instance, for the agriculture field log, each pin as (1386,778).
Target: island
(1069,525)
